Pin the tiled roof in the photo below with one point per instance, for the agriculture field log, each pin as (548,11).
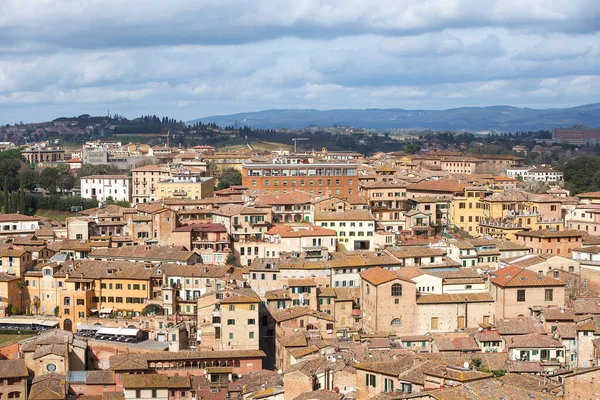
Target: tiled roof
(519,327)
(350,215)
(320,395)
(143,253)
(296,312)
(533,341)
(378,276)
(454,343)
(513,276)
(550,233)
(145,381)
(13,369)
(455,298)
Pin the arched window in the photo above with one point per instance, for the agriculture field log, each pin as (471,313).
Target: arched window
(396,289)
(396,322)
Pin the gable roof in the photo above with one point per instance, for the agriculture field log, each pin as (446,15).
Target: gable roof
(514,276)
(378,276)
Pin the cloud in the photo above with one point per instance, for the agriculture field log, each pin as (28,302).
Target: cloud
(189,58)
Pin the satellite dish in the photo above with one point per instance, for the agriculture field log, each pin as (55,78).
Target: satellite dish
(466,365)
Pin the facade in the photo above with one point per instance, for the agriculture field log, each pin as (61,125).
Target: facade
(335,179)
(43,154)
(355,228)
(185,185)
(103,187)
(16,224)
(550,241)
(144,181)
(516,290)
(388,301)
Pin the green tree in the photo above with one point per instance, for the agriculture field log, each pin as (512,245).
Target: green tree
(231,259)
(90,169)
(14,310)
(229,177)
(65,181)
(581,174)
(49,178)
(28,179)
(5,197)
(412,148)
(22,202)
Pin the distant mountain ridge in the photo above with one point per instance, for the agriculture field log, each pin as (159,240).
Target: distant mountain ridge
(500,118)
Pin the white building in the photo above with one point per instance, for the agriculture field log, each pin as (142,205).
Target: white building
(535,174)
(354,228)
(101,187)
(15,224)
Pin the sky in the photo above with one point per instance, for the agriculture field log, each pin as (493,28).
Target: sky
(194,58)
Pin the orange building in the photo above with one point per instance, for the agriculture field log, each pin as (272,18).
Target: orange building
(550,241)
(339,179)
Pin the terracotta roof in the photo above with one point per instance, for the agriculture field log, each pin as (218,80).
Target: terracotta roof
(488,389)
(453,343)
(455,298)
(16,217)
(437,186)
(519,327)
(100,378)
(513,276)
(48,387)
(145,381)
(550,233)
(533,341)
(350,215)
(416,251)
(237,209)
(13,369)
(123,177)
(144,253)
(303,230)
(390,368)
(295,312)
(558,314)
(378,276)
(320,395)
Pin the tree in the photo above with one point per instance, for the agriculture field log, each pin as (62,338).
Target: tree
(28,179)
(48,179)
(22,204)
(412,148)
(581,174)
(65,181)
(231,259)
(14,310)
(56,310)
(229,177)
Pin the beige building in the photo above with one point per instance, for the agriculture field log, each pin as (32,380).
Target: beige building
(185,185)
(451,312)
(229,320)
(355,228)
(388,301)
(517,290)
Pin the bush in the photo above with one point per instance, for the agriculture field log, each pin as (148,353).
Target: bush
(14,310)
(56,310)
(8,309)
(15,331)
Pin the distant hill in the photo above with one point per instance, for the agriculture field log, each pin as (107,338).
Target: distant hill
(500,118)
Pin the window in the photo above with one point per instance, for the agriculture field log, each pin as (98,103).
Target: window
(396,322)
(50,367)
(549,295)
(250,335)
(153,393)
(521,295)
(434,322)
(370,380)
(231,307)
(396,289)
(251,322)
(231,322)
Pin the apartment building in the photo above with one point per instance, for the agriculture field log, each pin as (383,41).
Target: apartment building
(104,187)
(449,312)
(463,165)
(293,206)
(17,224)
(144,181)
(229,319)
(584,217)
(43,154)
(335,179)
(517,290)
(467,209)
(185,184)
(550,241)
(355,229)
(210,240)
(103,288)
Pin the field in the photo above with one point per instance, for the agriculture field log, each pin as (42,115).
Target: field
(10,339)
(53,214)
(259,145)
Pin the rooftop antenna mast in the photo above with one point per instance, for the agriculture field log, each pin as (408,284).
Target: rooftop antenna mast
(295,140)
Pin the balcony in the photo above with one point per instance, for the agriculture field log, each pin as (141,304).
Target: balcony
(179,193)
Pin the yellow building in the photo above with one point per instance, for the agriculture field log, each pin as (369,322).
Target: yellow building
(96,288)
(467,211)
(42,289)
(512,211)
(185,185)
(10,294)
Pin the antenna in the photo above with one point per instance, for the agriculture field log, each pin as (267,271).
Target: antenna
(295,140)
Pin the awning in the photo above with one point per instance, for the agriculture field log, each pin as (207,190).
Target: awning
(106,311)
(93,310)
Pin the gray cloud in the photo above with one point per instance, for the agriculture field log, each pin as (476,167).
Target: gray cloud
(194,58)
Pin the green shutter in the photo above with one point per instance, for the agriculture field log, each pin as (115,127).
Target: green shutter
(367,380)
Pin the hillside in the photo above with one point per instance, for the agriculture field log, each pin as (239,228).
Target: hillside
(500,118)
